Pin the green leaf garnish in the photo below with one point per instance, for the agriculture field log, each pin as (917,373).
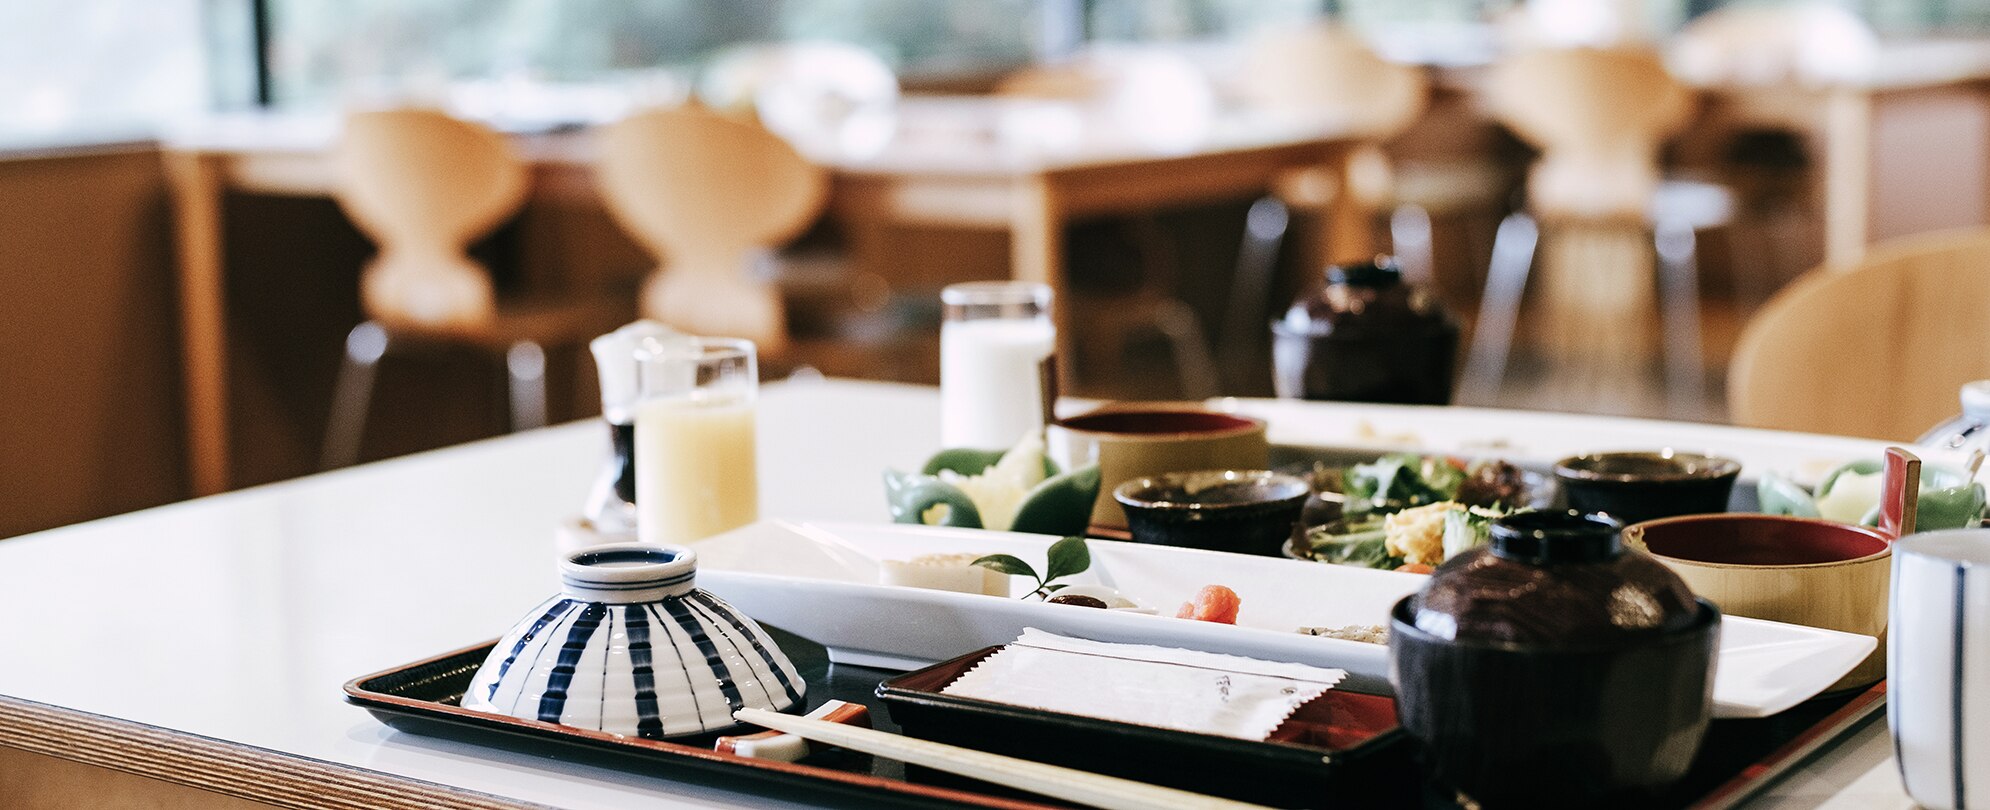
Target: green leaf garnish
(1066,557)
(1008,564)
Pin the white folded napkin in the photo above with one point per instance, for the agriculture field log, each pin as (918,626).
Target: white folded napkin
(1225,695)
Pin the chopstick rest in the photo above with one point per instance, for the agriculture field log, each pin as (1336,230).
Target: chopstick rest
(1069,784)
(785,747)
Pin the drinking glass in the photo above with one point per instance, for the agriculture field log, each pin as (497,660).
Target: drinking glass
(993,337)
(695,469)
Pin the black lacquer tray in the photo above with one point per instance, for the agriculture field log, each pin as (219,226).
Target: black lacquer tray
(1739,758)
(1342,749)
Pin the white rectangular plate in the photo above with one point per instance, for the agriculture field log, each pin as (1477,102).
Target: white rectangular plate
(820,580)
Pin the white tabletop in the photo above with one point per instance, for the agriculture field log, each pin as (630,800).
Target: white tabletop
(238,617)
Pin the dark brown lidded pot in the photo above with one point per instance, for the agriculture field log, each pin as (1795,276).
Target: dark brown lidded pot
(1554,667)
(1365,336)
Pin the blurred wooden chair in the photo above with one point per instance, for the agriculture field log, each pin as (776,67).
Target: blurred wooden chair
(710,197)
(1599,117)
(1115,84)
(423,186)
(1326,73)
(1878,349)
(829,100)
(1775,66)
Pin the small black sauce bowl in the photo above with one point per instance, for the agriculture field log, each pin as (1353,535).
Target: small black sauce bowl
(1637,486)
(1245,511)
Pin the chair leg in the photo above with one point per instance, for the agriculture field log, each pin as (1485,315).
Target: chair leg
(1257,260)
(1178,323)
(526,364)
(1410,238)
(1499,308)
(1679,294)
(1244,336)
(352,395)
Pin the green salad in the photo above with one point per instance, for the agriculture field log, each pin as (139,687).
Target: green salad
(1412,512)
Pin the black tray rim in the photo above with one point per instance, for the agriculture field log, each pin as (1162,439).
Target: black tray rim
(1749,783)
(1777,764)
(358,693)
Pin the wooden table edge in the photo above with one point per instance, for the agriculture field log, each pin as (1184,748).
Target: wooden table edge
(217,766)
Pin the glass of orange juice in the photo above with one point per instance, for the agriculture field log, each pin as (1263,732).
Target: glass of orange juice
(695,470)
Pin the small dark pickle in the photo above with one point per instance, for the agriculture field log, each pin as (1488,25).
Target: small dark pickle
(1078,599)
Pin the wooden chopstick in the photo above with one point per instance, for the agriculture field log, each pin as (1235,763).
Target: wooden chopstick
(1070,784)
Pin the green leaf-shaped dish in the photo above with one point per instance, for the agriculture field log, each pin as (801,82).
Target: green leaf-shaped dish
(1061,504)
(1948,499)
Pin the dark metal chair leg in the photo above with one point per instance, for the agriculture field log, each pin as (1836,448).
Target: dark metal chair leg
(1244,333)
(352,395)
(1679,296)
(525,362)
(1499,308)
(1410,238)
(1193,360)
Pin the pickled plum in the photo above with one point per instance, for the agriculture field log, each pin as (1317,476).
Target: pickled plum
(1214,603)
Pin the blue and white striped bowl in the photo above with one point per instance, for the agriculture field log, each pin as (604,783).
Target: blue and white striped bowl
(631,647)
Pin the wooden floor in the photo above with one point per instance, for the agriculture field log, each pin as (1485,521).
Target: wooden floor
(1533,385)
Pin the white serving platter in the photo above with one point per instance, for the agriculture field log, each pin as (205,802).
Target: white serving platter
(1537,439)
(820,580)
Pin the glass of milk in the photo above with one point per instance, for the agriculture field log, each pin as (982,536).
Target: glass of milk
(992,338)
(694,444)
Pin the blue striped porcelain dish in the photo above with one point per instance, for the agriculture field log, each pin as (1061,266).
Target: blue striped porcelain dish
(630,646)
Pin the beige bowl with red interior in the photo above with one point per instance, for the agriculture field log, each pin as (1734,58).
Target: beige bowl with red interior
(1787,569)
(1141,439)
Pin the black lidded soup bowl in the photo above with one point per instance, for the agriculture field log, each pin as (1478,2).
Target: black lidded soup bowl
(1554,667)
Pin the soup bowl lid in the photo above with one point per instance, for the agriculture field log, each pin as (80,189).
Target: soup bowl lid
(1553,579)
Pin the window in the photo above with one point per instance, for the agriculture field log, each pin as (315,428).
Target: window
(1905,17)
(322,50)
(107,70)
(1161,20)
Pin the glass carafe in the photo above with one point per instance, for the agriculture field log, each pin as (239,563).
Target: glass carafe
(611,504)
(994,336)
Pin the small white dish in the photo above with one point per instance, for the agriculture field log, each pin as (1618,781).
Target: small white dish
(1113,599)
(631,646)
(819,580)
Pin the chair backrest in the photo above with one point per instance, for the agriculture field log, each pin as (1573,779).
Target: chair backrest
(704,193)
(1598,116)
(416,178)
(1328,70)
(692,184)
(1878,349)
(423,185)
